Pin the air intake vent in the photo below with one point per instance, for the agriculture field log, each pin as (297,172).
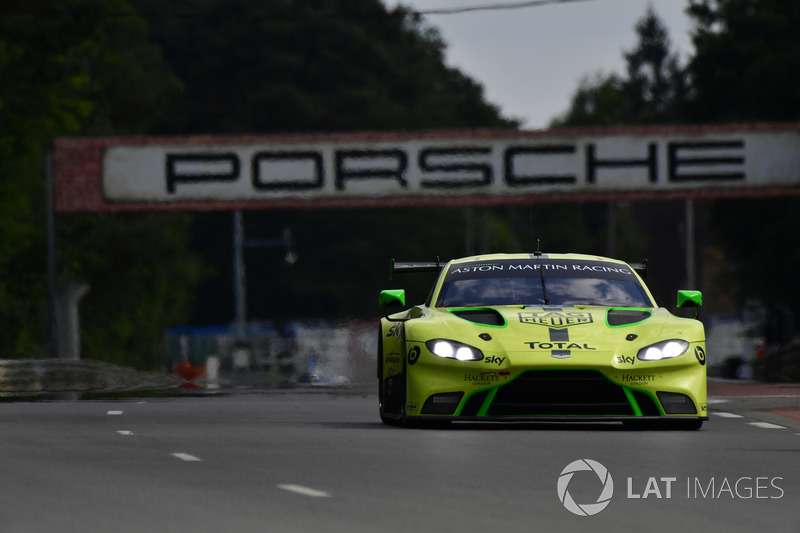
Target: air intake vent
(646,404)
(474,403)
(676,404)
(625,317)
(445,403)
(487,316)
(565,393)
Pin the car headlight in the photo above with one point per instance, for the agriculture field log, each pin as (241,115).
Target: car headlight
(454,350)
(663,350)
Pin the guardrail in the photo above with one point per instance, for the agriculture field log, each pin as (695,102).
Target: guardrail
(44,376)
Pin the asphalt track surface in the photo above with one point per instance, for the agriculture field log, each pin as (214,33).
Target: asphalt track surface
(321,461)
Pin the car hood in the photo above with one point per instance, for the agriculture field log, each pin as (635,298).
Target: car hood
(594,329)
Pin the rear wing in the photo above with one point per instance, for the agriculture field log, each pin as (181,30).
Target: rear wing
(640,268)
(410,268)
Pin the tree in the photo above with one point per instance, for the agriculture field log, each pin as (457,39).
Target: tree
(654,90)
(746,68)
(317,65)
(746,65)
(320,65)
(80,67)
(599,101)
(141,275)
(40,96)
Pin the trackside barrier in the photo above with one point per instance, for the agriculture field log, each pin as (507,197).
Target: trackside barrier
(321,353)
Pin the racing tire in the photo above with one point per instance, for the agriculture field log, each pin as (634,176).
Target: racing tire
(395,422)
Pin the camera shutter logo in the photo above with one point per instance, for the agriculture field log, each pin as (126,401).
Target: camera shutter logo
(585,509)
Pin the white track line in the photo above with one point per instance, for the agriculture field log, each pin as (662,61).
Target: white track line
(766,425)
(724,414)
(185,456)
(125,432)
(305,491)
(114,413)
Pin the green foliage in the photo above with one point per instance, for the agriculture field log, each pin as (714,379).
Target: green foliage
(598,101)
(140,272)
(255,66)
(755,232)
(344,254)
(746,68)
(110,67)
(654,90)
(40,96)
(79,67)
(747,61)
(656,84)
(314,66)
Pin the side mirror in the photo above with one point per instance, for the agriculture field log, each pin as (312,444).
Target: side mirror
(392,298)
(690,299)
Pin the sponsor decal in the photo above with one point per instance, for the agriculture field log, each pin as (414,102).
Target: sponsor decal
(536,345)
(601,268)
(626,360)
(314,168)
(700,353)
(535,267)
(486,378)
(475,268)
(413,355)
(394,331)
(638,379)
(530,266)
(555,319)
(494,360)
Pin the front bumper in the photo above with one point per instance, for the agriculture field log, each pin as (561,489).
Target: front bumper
(538,386)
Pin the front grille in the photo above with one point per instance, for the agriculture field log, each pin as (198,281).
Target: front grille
(561,393)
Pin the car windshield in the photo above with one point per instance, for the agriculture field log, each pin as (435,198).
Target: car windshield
(542,281)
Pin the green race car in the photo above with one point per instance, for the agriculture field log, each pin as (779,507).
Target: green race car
(553,337)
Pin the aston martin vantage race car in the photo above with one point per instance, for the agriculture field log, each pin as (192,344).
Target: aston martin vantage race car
(553,337)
